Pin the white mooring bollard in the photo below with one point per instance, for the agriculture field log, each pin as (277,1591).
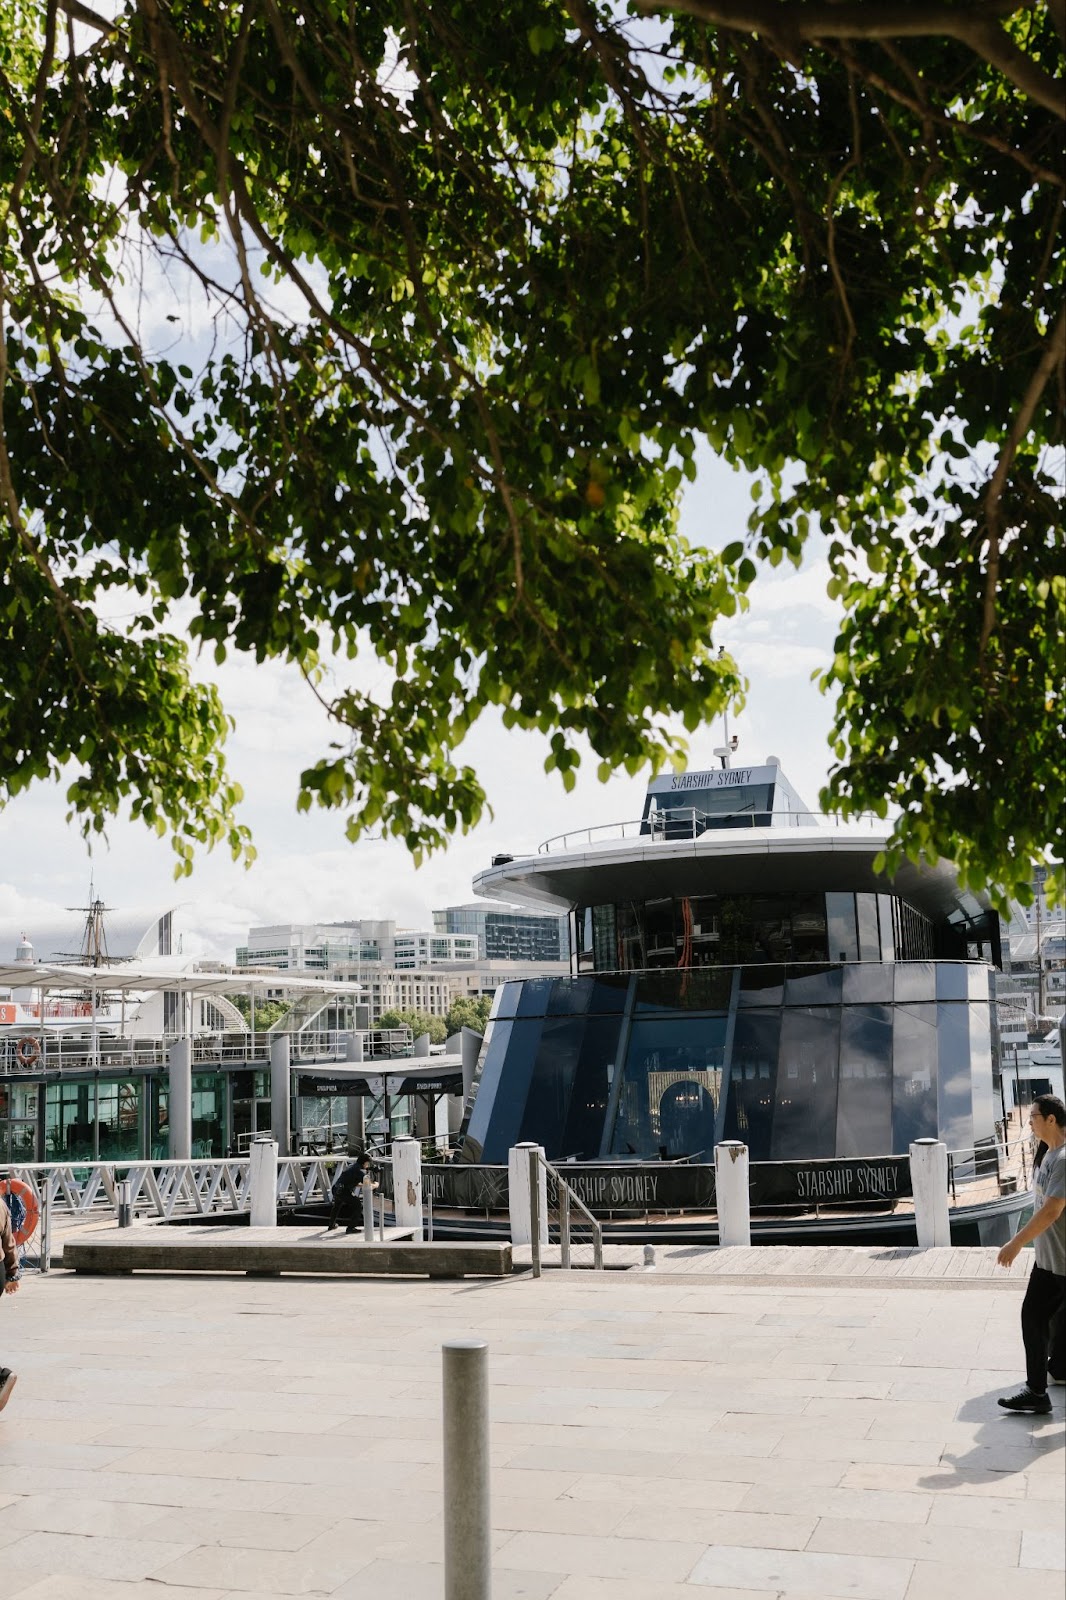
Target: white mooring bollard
(263,1183)
(929,1184)
(518,1195)
(407,1184)
(467,1542)
(731,1189)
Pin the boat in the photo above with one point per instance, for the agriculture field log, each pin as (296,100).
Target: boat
(742,970)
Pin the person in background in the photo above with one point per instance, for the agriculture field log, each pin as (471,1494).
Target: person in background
(348,1192)
(1045,1294)
(9,1282)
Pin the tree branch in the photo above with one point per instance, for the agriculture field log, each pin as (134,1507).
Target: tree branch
(793,23)
(1054,356)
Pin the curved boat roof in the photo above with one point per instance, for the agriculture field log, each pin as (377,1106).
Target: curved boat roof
(757,840)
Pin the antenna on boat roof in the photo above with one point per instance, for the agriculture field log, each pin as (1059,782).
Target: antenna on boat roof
(729,745)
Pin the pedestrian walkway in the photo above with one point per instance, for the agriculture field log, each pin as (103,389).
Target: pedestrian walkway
(655,1436)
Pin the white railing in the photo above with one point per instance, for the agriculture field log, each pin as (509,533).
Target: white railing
(28,1053)
(168,1189)
(688,823)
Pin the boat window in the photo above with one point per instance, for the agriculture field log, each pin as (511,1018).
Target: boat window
(604,939)
(954,1097)
(914,1075)
(821,987)
(703,989)
(805,1109)
(670,1089)
(809,928)
(869,936)
(840,917)
(915,980)
(864,1102)
(867,982)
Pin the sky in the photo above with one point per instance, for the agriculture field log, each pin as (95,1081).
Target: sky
(307,871)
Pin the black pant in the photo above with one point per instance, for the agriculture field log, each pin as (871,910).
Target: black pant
(1045,1295)
(347,1203)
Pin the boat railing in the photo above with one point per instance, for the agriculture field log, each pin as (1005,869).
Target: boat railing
(996,1166)
(690,823)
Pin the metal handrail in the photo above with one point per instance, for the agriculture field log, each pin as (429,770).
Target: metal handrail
(668,826)
(567,1197)
(63,1052)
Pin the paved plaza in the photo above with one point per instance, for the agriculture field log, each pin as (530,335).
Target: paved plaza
(658,1435)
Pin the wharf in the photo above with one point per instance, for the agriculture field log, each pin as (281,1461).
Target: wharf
(214,1247)
(654,1436)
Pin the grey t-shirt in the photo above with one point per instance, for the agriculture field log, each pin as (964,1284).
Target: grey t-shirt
(1049,1183)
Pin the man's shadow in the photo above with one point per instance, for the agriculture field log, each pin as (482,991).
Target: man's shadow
(1005,1442)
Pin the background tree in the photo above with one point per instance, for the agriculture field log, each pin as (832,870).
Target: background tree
(468,291)
(419,1022)
(471,1011)
(267,1012)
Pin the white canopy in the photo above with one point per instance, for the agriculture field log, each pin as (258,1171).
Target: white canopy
(165,972)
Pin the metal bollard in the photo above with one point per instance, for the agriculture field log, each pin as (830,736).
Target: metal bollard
(368,1212)
(467,1544)
(124,1202)
(649,1257)
(429,1217)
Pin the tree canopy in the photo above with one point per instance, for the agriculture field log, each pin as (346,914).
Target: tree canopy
(419,1022)
(390,331)
(469,1011)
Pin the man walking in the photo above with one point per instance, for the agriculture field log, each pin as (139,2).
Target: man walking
(9,1282)
(1045,1295)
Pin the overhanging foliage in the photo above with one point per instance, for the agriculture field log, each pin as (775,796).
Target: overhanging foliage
(469,288)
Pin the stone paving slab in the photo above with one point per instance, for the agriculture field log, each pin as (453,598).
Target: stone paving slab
(654,1437)
(800,1264)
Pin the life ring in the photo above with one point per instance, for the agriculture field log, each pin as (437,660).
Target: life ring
(28,1051)
(22,1204)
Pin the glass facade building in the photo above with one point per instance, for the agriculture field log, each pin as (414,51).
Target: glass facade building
(507,934)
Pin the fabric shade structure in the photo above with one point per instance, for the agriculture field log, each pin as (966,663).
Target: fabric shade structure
(171,974)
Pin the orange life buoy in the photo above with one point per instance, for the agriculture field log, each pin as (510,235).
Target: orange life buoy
(22,1204)
(28,1051)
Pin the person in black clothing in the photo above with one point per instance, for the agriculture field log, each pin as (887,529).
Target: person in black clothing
(9,1282)
(348,1192)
